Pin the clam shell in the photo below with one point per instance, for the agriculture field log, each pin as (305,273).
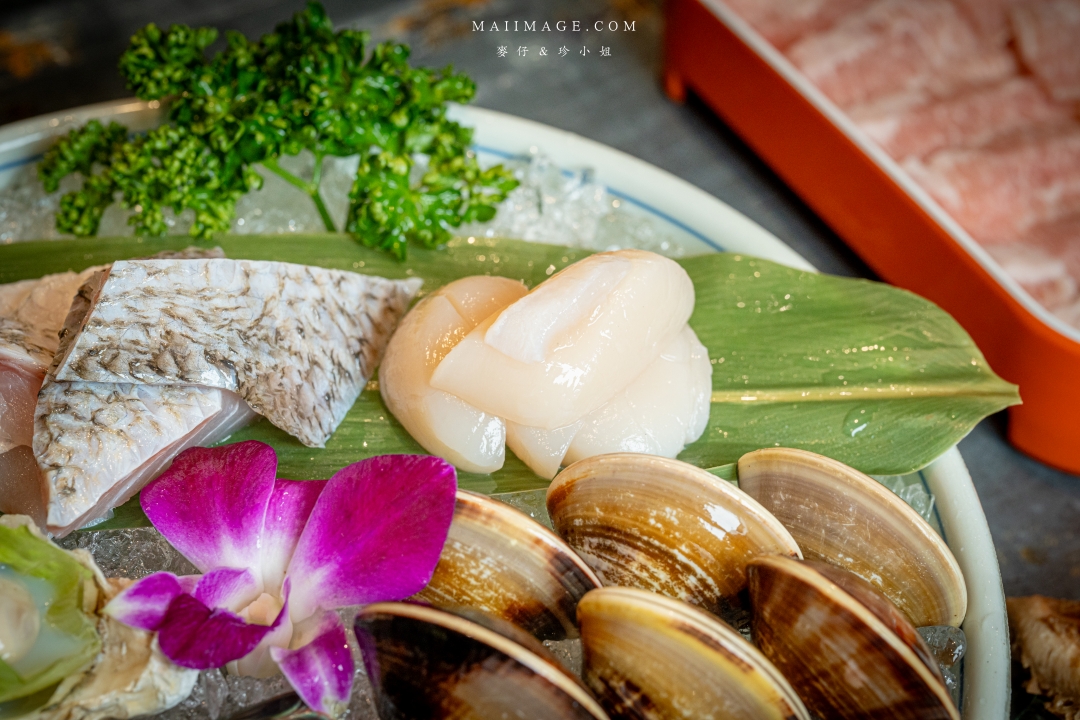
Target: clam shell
(840,657)
(664,525)
(650,657)
(501,561)
(843,517)
(428,663)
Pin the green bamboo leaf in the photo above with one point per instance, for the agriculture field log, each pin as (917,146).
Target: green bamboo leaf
(863,372)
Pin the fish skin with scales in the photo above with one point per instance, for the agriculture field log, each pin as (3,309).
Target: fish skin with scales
(296,342)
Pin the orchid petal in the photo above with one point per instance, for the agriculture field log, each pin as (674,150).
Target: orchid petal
(210,503)
(375,533)
(195,636)
(227,589)
(286,514)
(321,671)
(188,583)
(144,604)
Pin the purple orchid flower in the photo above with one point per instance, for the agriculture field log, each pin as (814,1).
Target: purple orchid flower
(278,557)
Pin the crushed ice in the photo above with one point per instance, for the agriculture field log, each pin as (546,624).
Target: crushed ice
(551,205)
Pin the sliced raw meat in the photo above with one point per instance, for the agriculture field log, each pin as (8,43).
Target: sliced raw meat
(98,443)
(1048,38)
(966,120)
(999,192)
(21,491)
(782,22)
(990,18)
(926,47)
(1043,275)
(298,343)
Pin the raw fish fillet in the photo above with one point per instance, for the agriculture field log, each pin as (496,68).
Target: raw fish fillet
(1042,274)
(1048,38)
(900,46)
(297,343)
(97,444)
(999,192)
(966,120)
(782,22)
(31,315)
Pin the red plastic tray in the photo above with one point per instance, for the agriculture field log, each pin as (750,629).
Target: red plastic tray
(871,203)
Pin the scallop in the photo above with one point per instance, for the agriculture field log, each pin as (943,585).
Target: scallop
(653,658)
(469,438)
(664,525)
(659,413)
(501,561)
(572,343)
(428,663)
(841,516)
(844,659)
(542,450)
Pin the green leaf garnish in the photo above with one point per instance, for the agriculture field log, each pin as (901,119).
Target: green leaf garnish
(302,87)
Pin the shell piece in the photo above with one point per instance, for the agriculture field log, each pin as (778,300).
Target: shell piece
(572,343)
(470,439)
(841,658)
(840,516)
(663,525)
(500,561)
(649,657)
(429,663)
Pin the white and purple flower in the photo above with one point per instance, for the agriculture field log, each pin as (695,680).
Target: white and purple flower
(278,557)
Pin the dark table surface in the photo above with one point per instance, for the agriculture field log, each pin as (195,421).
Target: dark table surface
(616,100)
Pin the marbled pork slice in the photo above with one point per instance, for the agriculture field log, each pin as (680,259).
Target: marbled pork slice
(999,192)
(899,46)
(1043,274)
(297,343)
(990,18)
(1048,39)
(966,120)
(97,444)
(782,22)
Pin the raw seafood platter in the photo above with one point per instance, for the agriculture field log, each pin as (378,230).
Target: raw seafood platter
(469,458)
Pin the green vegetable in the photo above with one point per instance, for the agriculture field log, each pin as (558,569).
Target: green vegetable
(29,555)
(302,87)
(859,371)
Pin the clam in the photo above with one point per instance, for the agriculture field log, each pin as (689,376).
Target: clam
(840,516)
(664,525)
(501,561)
(428,663)
(650,657)
(846,650)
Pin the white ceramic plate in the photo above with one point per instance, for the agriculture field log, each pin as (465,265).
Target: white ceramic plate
(700,223)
